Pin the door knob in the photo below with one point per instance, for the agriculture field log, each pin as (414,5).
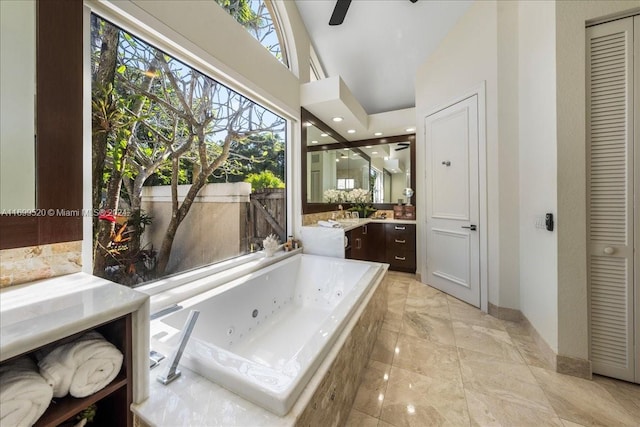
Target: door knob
(446,163)
(609,250)
(472,227)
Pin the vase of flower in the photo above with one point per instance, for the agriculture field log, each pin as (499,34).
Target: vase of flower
(360,200)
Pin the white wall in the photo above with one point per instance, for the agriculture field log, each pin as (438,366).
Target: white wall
(466,57)
(571,100)
(537,137)
(508,153)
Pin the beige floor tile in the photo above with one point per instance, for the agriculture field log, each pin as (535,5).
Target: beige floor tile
(489,410)
(403,277)
(449,364)
(417,400)
(567,423)
(486,340)
(511,383)
(372,388)
(582,401)
(396,297)
(396,306)
(420,290)
(384,348)
(530,351)
(515,328)
(627,394)
(359,419)
(397,289)
(428,358)
(462,311)
(422,325)
(434,304)
(392,321)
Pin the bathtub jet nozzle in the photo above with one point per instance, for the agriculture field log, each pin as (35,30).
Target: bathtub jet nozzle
(173,372)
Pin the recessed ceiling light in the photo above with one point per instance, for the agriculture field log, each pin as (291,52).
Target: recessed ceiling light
(324,134)
(337,119)
(410,129)
(378,134)
(386,157)
(368,146)
(337,160)
(351,131)
(345,149)
(374,152)
(314,142)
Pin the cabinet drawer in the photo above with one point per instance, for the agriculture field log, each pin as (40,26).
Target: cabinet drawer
(402,261)
(401,236)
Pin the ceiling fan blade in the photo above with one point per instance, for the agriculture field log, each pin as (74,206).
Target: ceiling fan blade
(339,12)
(402,147)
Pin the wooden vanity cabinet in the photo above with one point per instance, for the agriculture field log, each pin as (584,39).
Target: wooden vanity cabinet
(114,400)
(401,247)
(394,244)
(367,243)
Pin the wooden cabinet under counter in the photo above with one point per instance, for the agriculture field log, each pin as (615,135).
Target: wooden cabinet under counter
(392,243)
(401,247)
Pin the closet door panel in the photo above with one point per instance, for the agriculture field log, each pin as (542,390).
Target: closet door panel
(610,72)
(636,181)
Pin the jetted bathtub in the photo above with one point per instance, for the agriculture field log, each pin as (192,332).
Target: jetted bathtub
(263,336)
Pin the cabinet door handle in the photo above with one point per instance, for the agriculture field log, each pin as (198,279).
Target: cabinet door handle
(400,228)
(401,241)
(358,243)
(400,258)
(364,229)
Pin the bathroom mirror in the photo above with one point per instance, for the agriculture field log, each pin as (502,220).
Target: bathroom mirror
(383,166)
(17,106)
(58,153)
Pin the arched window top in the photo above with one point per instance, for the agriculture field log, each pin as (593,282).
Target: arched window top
(259,18)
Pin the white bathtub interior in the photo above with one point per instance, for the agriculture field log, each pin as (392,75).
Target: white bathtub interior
(262,336)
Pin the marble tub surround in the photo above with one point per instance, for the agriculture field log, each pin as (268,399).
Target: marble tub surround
(194,400)
(492,373)
(27,264)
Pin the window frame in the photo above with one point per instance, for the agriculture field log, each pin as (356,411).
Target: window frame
(154,33)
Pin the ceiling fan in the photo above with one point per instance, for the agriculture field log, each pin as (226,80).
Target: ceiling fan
(402,146)
(340,11)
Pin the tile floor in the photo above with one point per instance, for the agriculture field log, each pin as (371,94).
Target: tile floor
(439,361)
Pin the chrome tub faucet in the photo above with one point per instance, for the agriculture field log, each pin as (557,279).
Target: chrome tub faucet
(173,372)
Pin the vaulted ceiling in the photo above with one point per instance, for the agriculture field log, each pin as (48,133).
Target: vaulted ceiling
(380,44)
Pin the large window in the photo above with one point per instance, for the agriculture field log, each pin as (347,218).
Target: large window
(257,17)
(186,171)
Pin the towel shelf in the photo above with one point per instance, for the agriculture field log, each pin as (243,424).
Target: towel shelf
(114,400)
(68,407)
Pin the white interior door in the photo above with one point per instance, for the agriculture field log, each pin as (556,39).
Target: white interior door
(610,192)
(453,210)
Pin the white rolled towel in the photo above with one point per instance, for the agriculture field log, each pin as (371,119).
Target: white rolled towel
(81,367)
(24,394)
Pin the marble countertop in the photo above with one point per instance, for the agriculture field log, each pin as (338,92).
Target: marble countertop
(38,313)
(350,224)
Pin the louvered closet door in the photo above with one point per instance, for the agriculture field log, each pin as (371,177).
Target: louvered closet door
(610,198)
